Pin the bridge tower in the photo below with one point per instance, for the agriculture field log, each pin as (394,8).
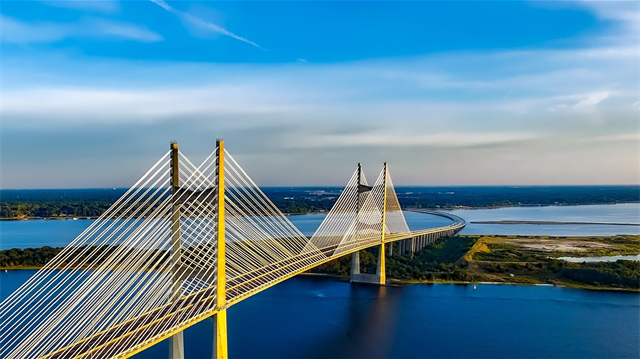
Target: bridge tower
(176,342)
(381,267)
(355,256)
(379,277)
(220,318)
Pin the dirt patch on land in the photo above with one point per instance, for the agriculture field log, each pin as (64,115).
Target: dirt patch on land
(564,246)
(554,244)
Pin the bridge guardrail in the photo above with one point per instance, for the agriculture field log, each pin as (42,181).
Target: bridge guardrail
(458,222)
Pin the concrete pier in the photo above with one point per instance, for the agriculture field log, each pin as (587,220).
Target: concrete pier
(378,278)
(355,266)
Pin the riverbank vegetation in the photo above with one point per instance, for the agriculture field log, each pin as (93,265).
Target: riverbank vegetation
(439,261)
(27,258)
(534,260)
(22,204)
(509,259)
(500,259)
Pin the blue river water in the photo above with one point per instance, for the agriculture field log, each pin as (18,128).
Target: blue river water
(610,213)
(315,317)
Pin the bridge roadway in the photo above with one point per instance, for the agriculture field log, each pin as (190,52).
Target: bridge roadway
(126,339)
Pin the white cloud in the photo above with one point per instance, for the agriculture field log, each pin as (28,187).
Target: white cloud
(626,12)
(615,138)
(17,31)
(122,30)
(592,99)
(104,6)
(204,24)
(412,91)
(397,137)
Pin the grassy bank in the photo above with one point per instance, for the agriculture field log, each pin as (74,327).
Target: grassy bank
(522,260)
(533,260)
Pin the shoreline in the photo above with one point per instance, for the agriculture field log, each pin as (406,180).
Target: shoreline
(410,209)
(460,207)
(392,281)
(553,223)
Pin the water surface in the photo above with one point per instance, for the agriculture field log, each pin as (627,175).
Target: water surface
(310,317)
(610,213)
(600,258)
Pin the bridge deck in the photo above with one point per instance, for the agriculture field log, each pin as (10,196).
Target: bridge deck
(127,338)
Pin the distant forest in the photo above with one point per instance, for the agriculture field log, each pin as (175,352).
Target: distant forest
(93,202)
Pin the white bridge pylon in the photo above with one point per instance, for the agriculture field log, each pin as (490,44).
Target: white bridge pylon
(149,266)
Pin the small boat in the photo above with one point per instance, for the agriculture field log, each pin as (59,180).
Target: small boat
(474,287)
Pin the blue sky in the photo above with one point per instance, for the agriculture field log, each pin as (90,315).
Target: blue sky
(449,93)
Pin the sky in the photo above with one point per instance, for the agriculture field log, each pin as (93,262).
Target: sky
(448,93)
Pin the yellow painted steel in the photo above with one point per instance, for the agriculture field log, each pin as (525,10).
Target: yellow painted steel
(383,275)
(220,318)
(220,323)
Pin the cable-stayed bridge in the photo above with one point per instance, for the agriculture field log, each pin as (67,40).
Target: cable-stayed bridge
(183,244)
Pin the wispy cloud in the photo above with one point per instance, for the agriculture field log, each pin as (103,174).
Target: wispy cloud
(103,6)
(633,137)
(17,31)
(592,99)
(204,24)
(392,136)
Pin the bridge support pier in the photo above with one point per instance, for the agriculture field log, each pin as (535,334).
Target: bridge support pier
(378,278)
(355,266)
(407,247)
(176,346)
(220,350)
(381,267)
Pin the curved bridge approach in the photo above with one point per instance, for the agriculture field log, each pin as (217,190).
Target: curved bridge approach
(183,244)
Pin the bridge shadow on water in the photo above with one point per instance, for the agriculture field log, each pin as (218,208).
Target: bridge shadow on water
(304,317)
(371,323)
